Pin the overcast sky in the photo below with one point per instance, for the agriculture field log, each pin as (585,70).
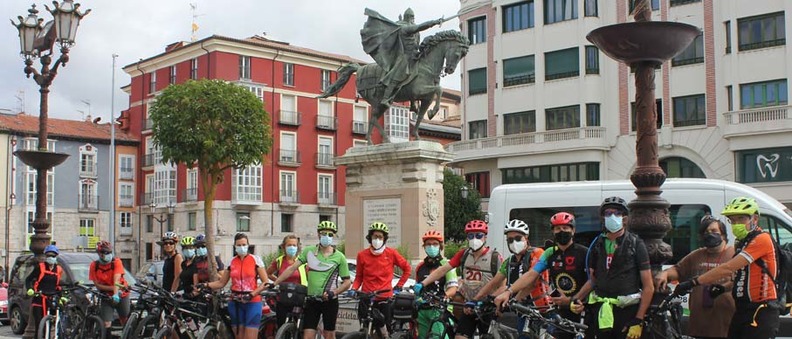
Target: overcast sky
(142,28)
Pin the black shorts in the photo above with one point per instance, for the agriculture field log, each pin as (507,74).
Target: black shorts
(384,308)
(328,310)
(755,321)
(468,324)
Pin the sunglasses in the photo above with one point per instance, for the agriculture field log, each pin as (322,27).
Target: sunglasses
(470,236)
(105,253)
(327,234)
(609,213)
(517,238)
(52,255)
(169,243)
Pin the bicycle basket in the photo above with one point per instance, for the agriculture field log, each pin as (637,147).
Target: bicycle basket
(403,305)
(292,294)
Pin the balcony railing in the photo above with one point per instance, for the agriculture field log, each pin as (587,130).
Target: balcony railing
(126,201)
(88,171)
(289,157)
(326,198)
(88,202)
(149,125)
(289,197)
(758,120)
(126,173)
(326,122)
(359,127)
(290,118)
(190,194)
(325,160)
(148,160)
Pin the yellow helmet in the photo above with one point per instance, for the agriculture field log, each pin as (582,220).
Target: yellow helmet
(741,205)
(188,241)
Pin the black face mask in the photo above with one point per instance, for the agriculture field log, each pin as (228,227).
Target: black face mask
(712,240)
(563,238)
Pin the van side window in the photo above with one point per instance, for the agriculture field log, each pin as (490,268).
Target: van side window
(538,219)
(780,231)
(683,236)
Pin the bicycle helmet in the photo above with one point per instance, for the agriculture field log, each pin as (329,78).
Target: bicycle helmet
(741,206)
(200,239)
(327,225)
(517,225)
(432,234)
(170,236)
(188,241)
(614,202)
(51,249)
(378,226)
(476,226)
(562,218)
(104,246)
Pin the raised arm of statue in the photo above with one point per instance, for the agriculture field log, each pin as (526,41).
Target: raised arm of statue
(412,29)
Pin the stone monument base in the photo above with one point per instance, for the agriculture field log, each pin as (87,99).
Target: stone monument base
(398,184)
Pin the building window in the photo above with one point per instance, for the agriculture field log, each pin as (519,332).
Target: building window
(257,90)
(149,223)
(521,122)
(192,220)
(764,165)
(477,81)
(592,60)
(689,111)
(592,115)
(397,124)
(194,69)
(287,223)
(149,251)
(288,74)
(126,167)
(478,129)
(761,31)
(87,228)
(655,5)
(673,3)
(729,98)
(480,181)
(126,193)
(518,16)
(191,194)
(560,10)
(88,161)
(244,67)
(164,186)
(693,54)
(562,117)
(658,110)
(763,94)
(590,7)
(325,190)
(288,148)
(126,223)
(325,153)
(153,82)
(359,143)
(677,167)
(243,222)
(325,79)
(288,191)
(562,64)
(552,173)
(31,188)
(247,184)
(727,25)
(477,30)
(518,71)
(88,199)
(172,75)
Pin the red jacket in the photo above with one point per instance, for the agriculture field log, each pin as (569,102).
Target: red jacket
(375,272)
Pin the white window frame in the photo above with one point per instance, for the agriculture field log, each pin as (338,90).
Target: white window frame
(359,143)
(194,69)
(125,223)
(172,75)
(126,172)
(325,158)
(325,113)
(288,194)
(325,79)
(88,161)
(291,155)
(31,216)
(289,114)
(397,124)
(258,91)
(164,186)
(88,224)
(244,67)
(31,189)
(88,194)
(324,196)
(130,189)
(153,82)
(248,183)
(288,74)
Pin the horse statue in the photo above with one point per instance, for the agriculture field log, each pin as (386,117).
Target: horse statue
(438,56)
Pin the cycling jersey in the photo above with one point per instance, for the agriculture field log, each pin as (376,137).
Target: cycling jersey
(438,287)
(618,264)
(567,268)
(103,274)
(43,279)
(323,271)
(375,272)
(513,268)
(244,274)
(751,285)
(477,271)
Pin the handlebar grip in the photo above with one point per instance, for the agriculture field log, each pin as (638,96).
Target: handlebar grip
(521,308)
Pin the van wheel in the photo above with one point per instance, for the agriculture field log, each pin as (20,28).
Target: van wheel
(18,321)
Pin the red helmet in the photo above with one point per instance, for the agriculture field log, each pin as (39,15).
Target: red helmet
(562,218)
(432,234)
(104,246)
(476,226)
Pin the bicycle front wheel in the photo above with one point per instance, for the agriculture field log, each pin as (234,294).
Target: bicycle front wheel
(208,332)
(287,331)
(129,327)
(45,327)
(164,333)
(356,335)
(147,327)
(268,328)
(92,328)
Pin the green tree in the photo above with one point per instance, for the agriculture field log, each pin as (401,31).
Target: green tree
(459,211)
(214,126)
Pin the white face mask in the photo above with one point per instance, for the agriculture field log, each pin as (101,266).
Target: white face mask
(476,244)
(613,223)
(518,246)
(377,243)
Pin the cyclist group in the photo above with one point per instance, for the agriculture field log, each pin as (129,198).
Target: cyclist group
(610,282)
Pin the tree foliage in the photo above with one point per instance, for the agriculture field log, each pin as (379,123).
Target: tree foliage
(459,211)
(212,125)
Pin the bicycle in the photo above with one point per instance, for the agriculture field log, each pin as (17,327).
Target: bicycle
(443,327)
(367,329)
(269,320)
(180,318)
(665,320)
(148,326)
(550,321)
(56,323)
(295,296)
(218,322)
(144,307)
(90,325)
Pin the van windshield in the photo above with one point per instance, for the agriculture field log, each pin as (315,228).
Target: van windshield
(80,272)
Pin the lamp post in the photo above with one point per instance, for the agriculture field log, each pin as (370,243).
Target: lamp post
(162,219)
(37,41)
(464,191)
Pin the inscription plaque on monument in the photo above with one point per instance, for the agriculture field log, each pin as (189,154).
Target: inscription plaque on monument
(386,210)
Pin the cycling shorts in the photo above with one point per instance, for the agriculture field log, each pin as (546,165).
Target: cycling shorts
(245,314)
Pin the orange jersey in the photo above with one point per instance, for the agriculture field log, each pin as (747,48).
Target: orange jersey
(751,284)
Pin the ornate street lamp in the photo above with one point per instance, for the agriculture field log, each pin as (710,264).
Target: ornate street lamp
(464,191)
(37,41)
(162,219)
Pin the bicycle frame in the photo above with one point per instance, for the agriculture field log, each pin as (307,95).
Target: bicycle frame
(371,313)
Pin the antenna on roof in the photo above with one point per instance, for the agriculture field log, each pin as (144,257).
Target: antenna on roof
(194,8)
(20,96)
(88,103)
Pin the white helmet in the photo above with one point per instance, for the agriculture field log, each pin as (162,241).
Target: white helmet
(517,225)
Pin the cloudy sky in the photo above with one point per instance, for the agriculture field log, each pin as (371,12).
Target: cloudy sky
(142,28)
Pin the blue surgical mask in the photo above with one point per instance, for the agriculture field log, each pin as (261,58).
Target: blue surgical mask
(201,252)
(432,251)
(52,260)
(106,258)
(613,223)
(241,250)
(291,251)
(325,241)
(189,253)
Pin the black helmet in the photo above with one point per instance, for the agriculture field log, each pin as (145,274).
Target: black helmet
(614,202)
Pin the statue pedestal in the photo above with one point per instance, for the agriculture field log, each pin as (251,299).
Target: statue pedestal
(398,184)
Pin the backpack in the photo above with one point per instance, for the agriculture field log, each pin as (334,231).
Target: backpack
(783,279)
(494,264)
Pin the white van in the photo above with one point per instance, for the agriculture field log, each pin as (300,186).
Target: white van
(690,200)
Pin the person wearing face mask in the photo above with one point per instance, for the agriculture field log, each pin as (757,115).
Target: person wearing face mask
(374,272)
(291,248)
(479,265)
(711,310)
(188,269)
(620,286)
(754,270)
(107,274)
(43,282)
(325,266)
(201,262)
(565,263)
(443,287)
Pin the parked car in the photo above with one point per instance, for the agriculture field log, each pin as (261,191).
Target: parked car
(352,263)
(151,271)
(4,303)
(75,269)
